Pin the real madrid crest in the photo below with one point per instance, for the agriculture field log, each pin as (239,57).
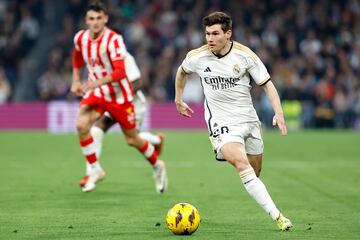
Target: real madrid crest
(236,69)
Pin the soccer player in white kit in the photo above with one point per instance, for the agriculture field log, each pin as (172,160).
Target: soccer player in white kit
(225,68)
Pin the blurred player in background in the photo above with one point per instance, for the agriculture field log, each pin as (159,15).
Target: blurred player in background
(108,89)
(106,121)
(225,68)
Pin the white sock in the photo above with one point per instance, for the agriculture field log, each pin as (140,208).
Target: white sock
(257,190)
(98,135)
(156,165)
(93,167)
(88,168)
(152,138)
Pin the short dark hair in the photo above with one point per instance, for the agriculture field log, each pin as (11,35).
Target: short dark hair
(218,18)
(96,6)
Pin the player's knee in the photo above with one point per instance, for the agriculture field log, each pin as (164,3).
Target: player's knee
(82,127)
(240,163)
(240,166)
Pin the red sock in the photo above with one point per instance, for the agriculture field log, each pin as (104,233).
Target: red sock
(88,149)
(149,152)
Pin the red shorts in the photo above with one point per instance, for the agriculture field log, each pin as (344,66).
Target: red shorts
(124,113)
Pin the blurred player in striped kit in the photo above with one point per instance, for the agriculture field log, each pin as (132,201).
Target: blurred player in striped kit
(106,121)
(108,89)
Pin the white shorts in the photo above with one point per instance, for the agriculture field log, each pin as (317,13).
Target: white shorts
(248,134)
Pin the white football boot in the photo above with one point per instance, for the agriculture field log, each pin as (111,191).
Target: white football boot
(160,177)
(95,176)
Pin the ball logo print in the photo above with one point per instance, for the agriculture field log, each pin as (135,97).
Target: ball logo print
(183,219)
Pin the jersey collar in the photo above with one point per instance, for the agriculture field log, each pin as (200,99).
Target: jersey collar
(221,56)
(99,37)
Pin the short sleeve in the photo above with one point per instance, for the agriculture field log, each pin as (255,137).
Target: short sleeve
(257,70)
(117,48)
(188,65)
(77,58)
(77,40)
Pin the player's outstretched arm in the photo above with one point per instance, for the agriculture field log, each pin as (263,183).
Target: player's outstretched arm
(274,99)
(180,83)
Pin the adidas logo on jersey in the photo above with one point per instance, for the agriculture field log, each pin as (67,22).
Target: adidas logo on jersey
(207,69)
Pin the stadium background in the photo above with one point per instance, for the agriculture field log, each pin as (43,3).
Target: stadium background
(311,49)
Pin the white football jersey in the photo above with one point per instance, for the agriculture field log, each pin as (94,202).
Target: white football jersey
(226,83)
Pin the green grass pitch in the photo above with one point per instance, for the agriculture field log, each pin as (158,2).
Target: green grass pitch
(313,177)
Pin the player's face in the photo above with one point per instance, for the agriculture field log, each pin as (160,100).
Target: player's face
(96,21)
(216,38)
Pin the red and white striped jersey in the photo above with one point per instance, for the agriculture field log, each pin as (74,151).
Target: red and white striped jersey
(104,55)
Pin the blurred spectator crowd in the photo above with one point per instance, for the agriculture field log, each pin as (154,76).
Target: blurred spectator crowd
(19,29)
(311,49)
